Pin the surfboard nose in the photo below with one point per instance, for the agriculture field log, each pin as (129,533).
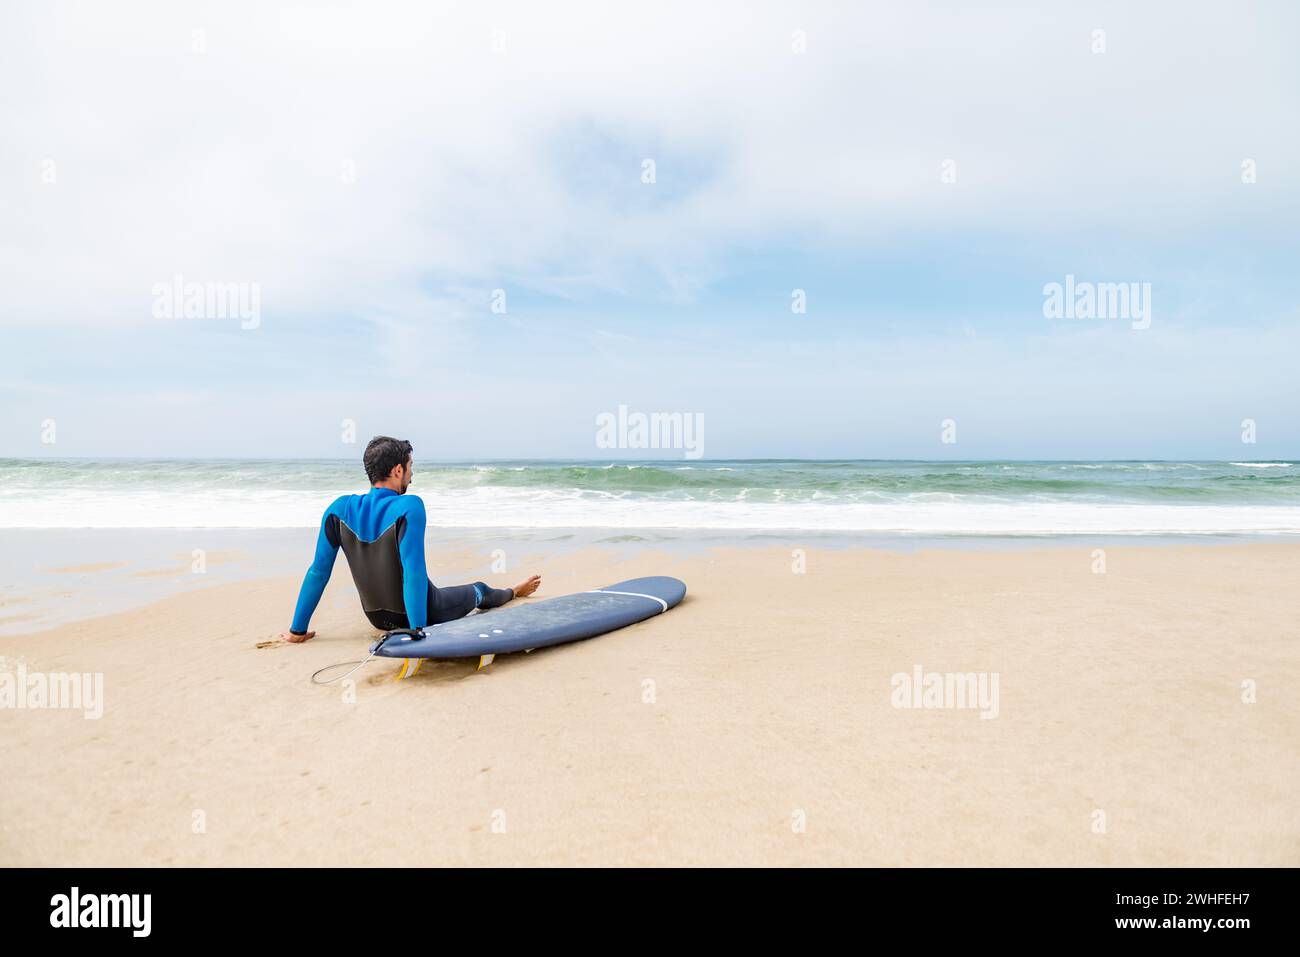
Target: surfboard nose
(668,590)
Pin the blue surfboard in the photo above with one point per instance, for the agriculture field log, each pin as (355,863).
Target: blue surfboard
(528,625)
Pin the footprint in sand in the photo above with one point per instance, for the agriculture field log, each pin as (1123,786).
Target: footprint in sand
(273,643)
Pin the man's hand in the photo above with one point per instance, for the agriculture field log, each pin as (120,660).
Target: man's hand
(296,639)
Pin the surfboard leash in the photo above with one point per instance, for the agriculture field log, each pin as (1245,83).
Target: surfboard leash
(340,664)
(359,664)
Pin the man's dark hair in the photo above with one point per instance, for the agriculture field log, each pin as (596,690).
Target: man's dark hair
(383,454)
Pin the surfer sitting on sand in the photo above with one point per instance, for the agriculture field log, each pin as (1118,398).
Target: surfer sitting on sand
(382,534)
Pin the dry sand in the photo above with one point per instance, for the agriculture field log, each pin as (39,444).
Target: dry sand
(705,736)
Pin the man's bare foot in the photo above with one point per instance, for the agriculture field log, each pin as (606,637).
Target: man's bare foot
(524,589)
(296,639)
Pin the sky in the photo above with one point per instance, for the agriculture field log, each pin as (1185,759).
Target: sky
(443,211)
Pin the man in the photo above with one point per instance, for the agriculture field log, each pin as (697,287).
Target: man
(382,534)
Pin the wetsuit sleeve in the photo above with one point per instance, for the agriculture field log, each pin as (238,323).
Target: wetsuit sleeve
(318,576)
(415,578)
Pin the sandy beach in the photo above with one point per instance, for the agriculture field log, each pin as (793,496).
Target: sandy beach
(1143,716)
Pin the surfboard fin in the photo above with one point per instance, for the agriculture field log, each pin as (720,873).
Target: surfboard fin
(409,667)
(484,661)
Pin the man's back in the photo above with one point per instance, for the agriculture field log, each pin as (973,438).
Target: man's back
(372,514)
(380,514)
(382,533)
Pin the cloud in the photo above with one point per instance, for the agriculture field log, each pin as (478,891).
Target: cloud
(522,163)
(379,168)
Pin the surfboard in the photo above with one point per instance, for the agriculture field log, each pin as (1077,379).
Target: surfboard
(524,626)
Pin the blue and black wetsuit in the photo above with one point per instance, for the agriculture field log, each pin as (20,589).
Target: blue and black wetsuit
(382,534)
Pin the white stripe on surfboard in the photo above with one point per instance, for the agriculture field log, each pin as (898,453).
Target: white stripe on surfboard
(634,594)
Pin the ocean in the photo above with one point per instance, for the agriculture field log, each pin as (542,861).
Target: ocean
(1011,498)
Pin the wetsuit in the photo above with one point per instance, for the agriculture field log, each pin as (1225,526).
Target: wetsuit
(382,534)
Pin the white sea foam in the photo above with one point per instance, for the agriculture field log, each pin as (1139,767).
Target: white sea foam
(491,507)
